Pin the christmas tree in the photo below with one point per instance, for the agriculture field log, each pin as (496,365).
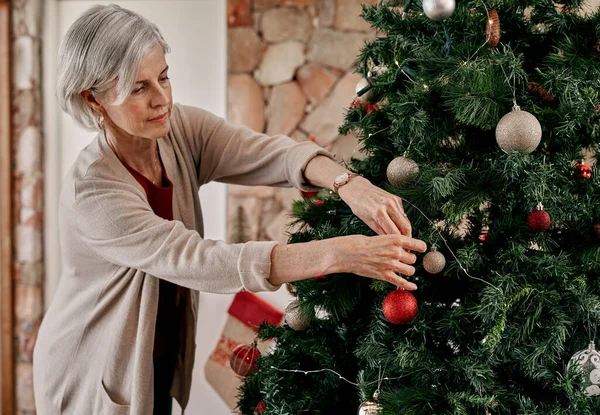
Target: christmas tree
(479,115)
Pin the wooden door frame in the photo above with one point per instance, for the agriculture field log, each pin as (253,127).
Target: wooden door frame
(6,216)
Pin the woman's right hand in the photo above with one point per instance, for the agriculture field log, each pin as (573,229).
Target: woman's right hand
(380,257)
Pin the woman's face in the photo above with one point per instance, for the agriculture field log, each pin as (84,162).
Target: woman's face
(151,97)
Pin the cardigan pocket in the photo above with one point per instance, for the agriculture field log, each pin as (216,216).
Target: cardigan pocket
(111,407)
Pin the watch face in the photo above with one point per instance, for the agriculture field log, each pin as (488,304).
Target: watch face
(341,178)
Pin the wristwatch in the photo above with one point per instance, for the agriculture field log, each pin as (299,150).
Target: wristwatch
(342,179)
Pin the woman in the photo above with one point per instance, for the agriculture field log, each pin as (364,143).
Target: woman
(119,335)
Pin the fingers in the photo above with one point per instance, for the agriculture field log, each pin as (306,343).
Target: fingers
(404,269)
(377,228)
(407,257)
(399,281)
(384,222)
(401,222)
(413,244)
(392,219)
(402,218)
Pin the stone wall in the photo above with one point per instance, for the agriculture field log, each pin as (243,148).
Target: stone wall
(27,193)
(290,71)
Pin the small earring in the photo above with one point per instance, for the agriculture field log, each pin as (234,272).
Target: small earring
(100,122)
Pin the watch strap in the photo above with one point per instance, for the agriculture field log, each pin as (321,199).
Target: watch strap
(336,186)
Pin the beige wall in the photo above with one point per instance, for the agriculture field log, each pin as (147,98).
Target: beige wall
(592,4)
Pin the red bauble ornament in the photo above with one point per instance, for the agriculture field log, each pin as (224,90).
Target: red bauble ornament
(483,237)
(357,103)
(400,307)
(315,203)
(260,407)
(583,171)
(308,195)
(243,359)
(320,277)
(539,219)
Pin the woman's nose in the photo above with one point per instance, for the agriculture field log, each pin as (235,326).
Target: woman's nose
(160,97)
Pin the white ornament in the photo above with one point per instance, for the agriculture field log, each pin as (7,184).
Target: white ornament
(321,313)
(588,363)
(439,10)
(369,97)
(370,407)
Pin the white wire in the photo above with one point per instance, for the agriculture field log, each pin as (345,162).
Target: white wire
(306,372)
(447,246)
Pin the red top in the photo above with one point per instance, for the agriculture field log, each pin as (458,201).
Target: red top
(160,198)
(161,202)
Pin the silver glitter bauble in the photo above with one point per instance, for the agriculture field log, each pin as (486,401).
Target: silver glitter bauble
(434,262)
(369,408)
(439,10)
(518,131)
(402,171)
(369,97)
(587,363)
(294,318)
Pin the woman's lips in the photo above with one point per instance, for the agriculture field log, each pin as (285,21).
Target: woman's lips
(160,118)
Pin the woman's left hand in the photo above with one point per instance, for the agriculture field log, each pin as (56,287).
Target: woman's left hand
(380,210)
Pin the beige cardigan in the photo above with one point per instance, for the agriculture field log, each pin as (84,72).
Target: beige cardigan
(94,350)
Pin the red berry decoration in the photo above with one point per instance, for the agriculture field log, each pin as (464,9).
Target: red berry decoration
(400,307)
(260,407)
(483,237)
(539,219)
(243,359)
(583,171)
(357,103)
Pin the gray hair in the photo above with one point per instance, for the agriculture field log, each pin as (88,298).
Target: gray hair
(105,44)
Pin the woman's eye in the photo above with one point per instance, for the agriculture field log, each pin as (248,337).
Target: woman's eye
(140,89)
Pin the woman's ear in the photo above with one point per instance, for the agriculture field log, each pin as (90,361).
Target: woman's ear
(91,101)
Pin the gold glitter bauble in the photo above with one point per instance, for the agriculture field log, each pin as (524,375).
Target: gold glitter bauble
(369,408)
(369,97)
(434,262)
(402,171)
(294,318)
(518,131)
